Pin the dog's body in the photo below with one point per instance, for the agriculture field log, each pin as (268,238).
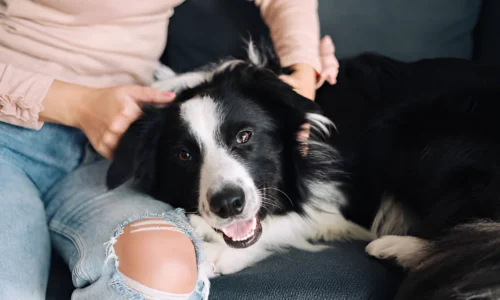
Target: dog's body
(422,144)
(413,152)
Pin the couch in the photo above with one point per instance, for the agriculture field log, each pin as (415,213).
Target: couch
(202,31)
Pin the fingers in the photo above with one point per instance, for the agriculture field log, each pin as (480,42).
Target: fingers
(110,111)
(326,46)
(291,81)
(149,95)
(118,126)
(329,63)
(129,112)
(109,139)
(303,134)
(302,83)
(302,137)
(103,149)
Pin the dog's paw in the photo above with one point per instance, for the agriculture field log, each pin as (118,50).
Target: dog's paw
(203,230)
(384,247)
(199,224)
(337,228)
(211,254)
(232,260)
(208,269)
(227,260)
(222,259)
(226,266)
(407,250)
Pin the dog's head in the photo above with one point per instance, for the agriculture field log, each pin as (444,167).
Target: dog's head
(226,148)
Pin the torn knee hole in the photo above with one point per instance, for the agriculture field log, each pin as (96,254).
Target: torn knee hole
(157,255)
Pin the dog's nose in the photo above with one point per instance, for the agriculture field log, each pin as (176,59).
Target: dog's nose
(228,202)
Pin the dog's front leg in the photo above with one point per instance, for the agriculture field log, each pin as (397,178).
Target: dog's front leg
(227,260)
(334,227)
(222,258)
(407,250)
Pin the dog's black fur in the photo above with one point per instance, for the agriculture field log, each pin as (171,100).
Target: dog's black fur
(254,98)
(425,135)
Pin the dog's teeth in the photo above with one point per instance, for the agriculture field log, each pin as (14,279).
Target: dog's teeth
(244,238)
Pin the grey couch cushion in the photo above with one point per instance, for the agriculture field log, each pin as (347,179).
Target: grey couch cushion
(403,29)
(343,272)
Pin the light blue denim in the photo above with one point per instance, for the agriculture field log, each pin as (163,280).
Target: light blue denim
(52,193)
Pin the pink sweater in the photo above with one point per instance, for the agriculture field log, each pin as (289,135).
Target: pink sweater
(100,43)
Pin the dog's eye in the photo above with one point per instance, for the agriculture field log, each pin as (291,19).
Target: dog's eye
(184,155)
(243,136)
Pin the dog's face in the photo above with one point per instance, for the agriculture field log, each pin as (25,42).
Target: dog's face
(219,160)
(222,149)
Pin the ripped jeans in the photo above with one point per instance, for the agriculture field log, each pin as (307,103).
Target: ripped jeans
(52,196)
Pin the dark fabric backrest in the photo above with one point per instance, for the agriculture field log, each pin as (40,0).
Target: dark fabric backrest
(487,34)
(403,29)
(203,31)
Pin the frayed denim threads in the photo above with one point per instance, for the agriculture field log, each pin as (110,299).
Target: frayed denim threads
(180,223)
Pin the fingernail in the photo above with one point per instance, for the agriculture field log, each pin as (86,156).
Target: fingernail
(169,94)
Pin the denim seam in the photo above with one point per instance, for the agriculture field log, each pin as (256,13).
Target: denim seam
(74,237)
(181,224)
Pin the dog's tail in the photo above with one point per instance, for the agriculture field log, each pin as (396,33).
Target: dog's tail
(463,265)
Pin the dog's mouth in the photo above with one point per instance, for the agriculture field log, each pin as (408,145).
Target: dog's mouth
(242,234)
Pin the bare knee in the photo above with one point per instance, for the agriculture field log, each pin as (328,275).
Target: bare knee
(157,257)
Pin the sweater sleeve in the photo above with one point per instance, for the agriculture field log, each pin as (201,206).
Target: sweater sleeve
(21,96)
(294,27)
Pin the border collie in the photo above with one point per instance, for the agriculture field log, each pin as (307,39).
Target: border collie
(412,157)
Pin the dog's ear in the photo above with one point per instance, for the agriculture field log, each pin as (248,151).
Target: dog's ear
(136,152)
(279,99)
(264,80)
(291,111)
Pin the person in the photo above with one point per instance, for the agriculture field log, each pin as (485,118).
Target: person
(73,76)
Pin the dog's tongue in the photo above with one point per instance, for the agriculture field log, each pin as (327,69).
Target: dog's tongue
(240,229)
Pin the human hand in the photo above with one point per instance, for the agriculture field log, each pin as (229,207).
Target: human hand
(302,80)
(105,114)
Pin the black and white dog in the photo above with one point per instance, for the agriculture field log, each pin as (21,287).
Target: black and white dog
(413,158)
